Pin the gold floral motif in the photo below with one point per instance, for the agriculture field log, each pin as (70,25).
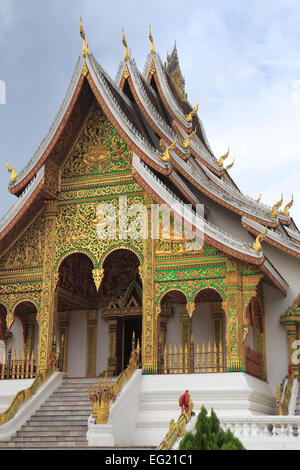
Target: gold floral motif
(99,149)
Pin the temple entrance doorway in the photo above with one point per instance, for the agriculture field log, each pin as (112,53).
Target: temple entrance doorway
(76,318)
(129,334)
(121,307)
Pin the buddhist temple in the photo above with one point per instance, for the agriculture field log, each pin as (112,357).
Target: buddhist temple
(86,271)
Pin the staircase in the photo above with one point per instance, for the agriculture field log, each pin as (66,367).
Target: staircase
(61,422)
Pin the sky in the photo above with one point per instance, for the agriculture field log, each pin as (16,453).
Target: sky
(240,60)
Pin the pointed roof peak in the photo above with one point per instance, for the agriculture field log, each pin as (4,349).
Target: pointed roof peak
(85,47)
(174,71)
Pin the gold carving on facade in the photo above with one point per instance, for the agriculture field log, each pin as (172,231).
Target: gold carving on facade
(98,276)
(84,70)
(99,149)
(28,250)
(152,69)
(126,73)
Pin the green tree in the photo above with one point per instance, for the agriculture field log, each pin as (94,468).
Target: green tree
(209,435)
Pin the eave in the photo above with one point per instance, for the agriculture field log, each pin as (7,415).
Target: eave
(288,246)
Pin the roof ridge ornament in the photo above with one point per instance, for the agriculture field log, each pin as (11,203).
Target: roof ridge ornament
(259,198)
(257,244)
(12,171)
(166,157)
(229,166)
(275,208)
(152,50)
(126,54)
(221,159)
(189,117)
(85,47)
(186,142)
(286,211)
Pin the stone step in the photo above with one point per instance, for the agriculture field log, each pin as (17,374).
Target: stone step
(44,444)
(65,398)
(52,427)
(48,433)
(70,396)
(54,419)
(66,407)
(54,412)
(56,424)
(31,439)
(72,390)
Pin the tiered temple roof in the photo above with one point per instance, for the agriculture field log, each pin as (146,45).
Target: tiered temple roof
(152,115)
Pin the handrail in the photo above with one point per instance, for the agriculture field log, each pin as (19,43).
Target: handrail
(102,397)
(23,395)
(177,430)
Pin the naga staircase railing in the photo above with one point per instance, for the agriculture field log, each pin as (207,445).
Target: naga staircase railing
(24,395)
(105,394)
(177,429)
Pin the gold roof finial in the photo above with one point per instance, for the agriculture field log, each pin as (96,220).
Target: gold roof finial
(126,54)
(189,117)
(275,208)
(166,157)
(229,166)
(152,50)
(12,171)
(186,142)
(257,244)
(286,211)
(85,47)
(259,198)
(221,160)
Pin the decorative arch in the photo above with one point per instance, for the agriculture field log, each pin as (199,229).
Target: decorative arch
(120,246)
(27,298)
(219,290)
(74,251)
(159,300)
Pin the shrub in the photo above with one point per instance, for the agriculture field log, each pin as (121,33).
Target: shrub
(209,435)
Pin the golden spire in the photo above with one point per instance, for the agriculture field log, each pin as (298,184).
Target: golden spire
(186,142)
(229,166)
(166,157)
(152,50)
(12,171)
(126,54)
(257,244)
(286,211)
(275,208)
(85,47)
(221,160)
(189,117)
(259,198)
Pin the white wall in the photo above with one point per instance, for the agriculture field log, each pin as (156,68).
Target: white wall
(17,339)
(202,324)
(77,344)
(275,305)
(173,327)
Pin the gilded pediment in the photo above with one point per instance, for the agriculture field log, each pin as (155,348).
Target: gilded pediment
(27,251)
(99,149)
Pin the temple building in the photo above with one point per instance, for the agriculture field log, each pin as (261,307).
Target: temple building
(82,270)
